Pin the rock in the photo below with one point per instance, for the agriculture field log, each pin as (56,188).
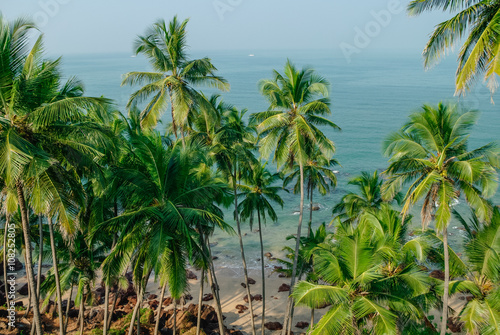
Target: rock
(152,297)
(438,274)
(18,304)
(127,309)
(282,275)
(455,325)
(23,290)
(188,297)
(302,325)
(208,297)
(273,325)
(208,314)
(215,258)
(268,255)
(236,332)
(191,275)
(132,300)
(258,297)
(153,304)
(244,285)
(245,298)
(251,281)
(17,266)
(97,315)
(64,304)
(241,308)
(167,301)
(284,288)
(315,208)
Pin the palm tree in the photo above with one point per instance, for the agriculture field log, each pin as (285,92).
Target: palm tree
(367,198)
(474,22)
(298,103)
(258,194)
(319,175)
(481,313)
(38,116)
(370,285)
(431,154)
(232,151)
(173,76)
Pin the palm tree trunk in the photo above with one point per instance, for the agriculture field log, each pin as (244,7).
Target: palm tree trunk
(175,316)
(136,311)
(139,321)
(312,317)
(310,209)
(82,311)
(200,303)
(160,309)
(212,280)
(28,309)
(67,309)
(288,313)
(174,125)
(56,274)
(245,272)
(263,274)
(29,265)
(115,298)
(40,258)
(107,288)
(444,321)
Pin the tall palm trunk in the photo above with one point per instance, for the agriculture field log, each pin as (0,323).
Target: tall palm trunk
(444,321)
(107,287)
(142,289)
(56,274)
(310,208)
(40,258)
(67,309)
(245,272)
(113,305)
(289,307)
(200,303)
(212,280)
(263,275)
(28,309)
(82,312)
(160,309)
(29,263)
(139,321)
(312,317)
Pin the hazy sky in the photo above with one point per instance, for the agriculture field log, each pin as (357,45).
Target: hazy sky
(92,26)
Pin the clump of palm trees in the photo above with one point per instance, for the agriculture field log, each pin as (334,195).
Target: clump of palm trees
(108,194)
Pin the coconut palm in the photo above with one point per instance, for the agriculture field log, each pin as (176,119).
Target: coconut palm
(258,193)
(431,154)
(481,313)
(367,198)
(474,22)
(289,128)
(232,151)
(370,285)
(318,175)
(173,76)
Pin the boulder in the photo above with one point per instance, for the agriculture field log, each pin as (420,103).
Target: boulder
(244,285)
(245,298)
(191,275)
(23,290)
(152,297)
(208,297)
(268,255)
(167,301)
(251,281)
(284,288)
(273,326)
(302,325)
(241,308)
(455,325)
(258,297)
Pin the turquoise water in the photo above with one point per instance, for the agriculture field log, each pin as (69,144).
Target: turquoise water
(371,97)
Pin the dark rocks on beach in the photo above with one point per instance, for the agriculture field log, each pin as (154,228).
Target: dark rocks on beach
(153,304)
(167,301)
(244,285)
(191,275)
(152,297)
(282,275)
(316,208)
(214,258)
(17,266)
(268,255)
(188,297)
(241,308)
(273,326)
(208,297)
(258,297)
(251,281)
(23,290)
(245,298)
(284,288)
(302,325)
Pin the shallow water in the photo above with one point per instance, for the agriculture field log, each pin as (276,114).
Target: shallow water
(371,97)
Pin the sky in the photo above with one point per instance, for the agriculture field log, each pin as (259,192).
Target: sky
(110,26)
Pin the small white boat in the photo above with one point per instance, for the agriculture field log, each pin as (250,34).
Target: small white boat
(251,55)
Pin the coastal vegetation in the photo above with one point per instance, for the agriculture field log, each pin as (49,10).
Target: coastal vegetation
(112,205)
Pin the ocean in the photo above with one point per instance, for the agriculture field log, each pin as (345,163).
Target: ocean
(371,97)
